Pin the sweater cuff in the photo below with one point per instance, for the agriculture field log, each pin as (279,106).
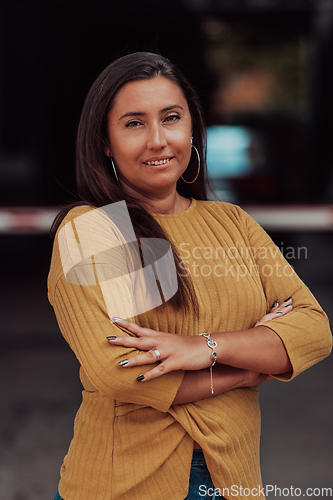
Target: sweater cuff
(304,348)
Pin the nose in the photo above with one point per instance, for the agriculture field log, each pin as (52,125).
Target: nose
(156,137)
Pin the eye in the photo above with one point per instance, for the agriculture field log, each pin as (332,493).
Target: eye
(132,124)
(172,118)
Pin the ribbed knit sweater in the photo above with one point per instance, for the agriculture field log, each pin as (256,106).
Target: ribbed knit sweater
(129,441)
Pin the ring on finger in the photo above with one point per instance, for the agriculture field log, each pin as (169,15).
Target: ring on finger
(158,354)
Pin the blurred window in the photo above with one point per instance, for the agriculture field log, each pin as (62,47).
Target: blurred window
(228,151)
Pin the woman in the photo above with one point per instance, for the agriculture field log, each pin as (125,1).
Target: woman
(141,141)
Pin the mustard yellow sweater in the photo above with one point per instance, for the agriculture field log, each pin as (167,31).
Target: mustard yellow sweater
(129,440)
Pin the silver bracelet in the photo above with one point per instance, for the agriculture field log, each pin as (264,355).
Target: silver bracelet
(213,345)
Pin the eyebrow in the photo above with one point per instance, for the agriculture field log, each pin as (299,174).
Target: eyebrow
(140,113)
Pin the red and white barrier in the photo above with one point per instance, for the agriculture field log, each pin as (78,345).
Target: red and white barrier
(38,220)
(26,220)
(293,217)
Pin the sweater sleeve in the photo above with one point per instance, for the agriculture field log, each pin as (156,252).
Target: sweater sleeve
(305,331)
(92,279)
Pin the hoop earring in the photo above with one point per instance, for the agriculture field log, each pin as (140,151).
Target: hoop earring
(114,170)
(199,163)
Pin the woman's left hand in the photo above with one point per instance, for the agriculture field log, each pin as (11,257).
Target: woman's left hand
(277,311)
(177,352)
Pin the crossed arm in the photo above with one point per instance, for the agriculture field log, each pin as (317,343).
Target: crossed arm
(244,358)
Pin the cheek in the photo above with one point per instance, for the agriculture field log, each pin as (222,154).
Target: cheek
(124,149)
(182,142)
(187,149)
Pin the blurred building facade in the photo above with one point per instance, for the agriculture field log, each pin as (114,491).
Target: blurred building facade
(260,66)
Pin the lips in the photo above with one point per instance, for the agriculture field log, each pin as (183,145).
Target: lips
(156,163)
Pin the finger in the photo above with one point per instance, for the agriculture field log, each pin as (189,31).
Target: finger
(284,308)
(272,315)
(141,343)
(287,304)
(281,311)
(145,358)
(124,341)
(156,372)
(134,328)
(276,305)
(127,325)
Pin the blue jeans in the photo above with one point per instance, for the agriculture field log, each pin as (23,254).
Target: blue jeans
(200,486)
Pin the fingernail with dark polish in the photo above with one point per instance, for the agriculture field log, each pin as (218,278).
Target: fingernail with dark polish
(140,378)
(124,362)
(275,303)
(111,338)
(288,305)
(289,298)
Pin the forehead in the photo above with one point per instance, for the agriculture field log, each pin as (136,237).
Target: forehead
(152,94)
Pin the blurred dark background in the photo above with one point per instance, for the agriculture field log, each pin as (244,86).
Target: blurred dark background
(263,71)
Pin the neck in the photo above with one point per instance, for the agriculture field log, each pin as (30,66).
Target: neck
(166,203)
(170,205)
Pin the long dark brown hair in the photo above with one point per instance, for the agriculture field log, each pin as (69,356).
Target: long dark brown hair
(96,183)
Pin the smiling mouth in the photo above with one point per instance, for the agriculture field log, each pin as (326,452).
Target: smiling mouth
(158,162)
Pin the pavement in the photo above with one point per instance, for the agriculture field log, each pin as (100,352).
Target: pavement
(41,391)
